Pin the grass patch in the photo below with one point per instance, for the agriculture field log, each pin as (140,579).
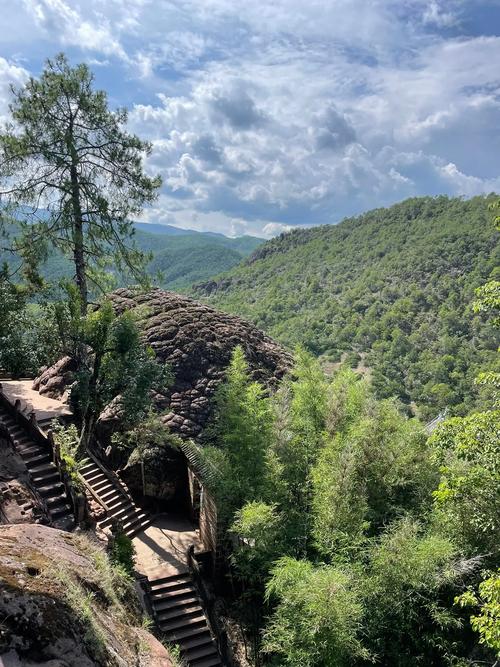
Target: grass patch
(81,602)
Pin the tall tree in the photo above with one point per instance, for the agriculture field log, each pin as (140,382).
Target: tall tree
(72,172)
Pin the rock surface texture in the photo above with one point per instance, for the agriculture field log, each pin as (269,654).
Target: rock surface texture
(197,341)
(57,607)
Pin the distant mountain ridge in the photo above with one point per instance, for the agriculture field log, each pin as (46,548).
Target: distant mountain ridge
(181,256)
(390,291)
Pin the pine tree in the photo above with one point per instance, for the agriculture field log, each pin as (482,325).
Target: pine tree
(73,175)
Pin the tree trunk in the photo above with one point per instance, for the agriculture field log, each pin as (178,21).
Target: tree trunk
(78,252)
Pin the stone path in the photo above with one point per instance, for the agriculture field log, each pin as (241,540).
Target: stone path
(162,547)
(45,408)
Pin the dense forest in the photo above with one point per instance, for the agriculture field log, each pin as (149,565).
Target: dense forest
(390,290)
(177,258)
(359,539)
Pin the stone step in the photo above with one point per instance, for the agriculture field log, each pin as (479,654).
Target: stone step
(209,662)
(193,655)
(32,450)
(169,603)
(113,504)
(62,511)
(189,634)
(50,476)
(51,489)
(177,612)
(101,485)
(22,441)
(170,594)
(135,525)
(42,469)
(111,493)
(37,460)
(94,477)
(89,467)
(56,501)
(193,641)
(181,578)
(181,622)
(118,513)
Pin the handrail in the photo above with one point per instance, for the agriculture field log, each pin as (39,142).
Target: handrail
(110,473)
(207,600)
(93,493)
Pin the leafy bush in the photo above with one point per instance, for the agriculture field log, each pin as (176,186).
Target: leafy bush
(122,552)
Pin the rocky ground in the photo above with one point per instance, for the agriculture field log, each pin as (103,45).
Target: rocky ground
(60,605)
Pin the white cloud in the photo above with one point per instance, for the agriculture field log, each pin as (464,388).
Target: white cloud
(265,115)
(10,74)
(435,14)
(275,228)
(69,25)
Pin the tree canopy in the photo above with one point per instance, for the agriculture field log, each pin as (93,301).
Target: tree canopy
(71,175)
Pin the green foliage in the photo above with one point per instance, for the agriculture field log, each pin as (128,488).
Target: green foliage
(242,430)
(66,439)
(373,468)
(395,283)
(119,369)
(27,339)
(299,437)
(122,552)
(144,439)
(257,526)
(81,602)
(318,618)
(468,499)
(487,621)
(66,150)
(360,561)
(176,261)
(408,589)
(105,592)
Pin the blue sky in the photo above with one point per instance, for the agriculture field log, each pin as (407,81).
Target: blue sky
(266,115)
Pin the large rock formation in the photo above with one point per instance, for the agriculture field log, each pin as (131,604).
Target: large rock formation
(59,605)
(196,341)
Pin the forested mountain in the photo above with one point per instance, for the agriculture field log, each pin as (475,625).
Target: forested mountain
(181,256)
(391,288)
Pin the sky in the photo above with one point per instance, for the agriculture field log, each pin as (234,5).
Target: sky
(266,115)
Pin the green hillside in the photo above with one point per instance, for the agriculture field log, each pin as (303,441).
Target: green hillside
(182,258)
(391,288)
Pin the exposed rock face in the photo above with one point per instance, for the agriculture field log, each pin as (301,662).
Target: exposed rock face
(53,381)
(197,342)
(159,472)
(55,606)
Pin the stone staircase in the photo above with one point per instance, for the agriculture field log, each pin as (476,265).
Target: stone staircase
(114,498)
(180,617)
(43,472)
